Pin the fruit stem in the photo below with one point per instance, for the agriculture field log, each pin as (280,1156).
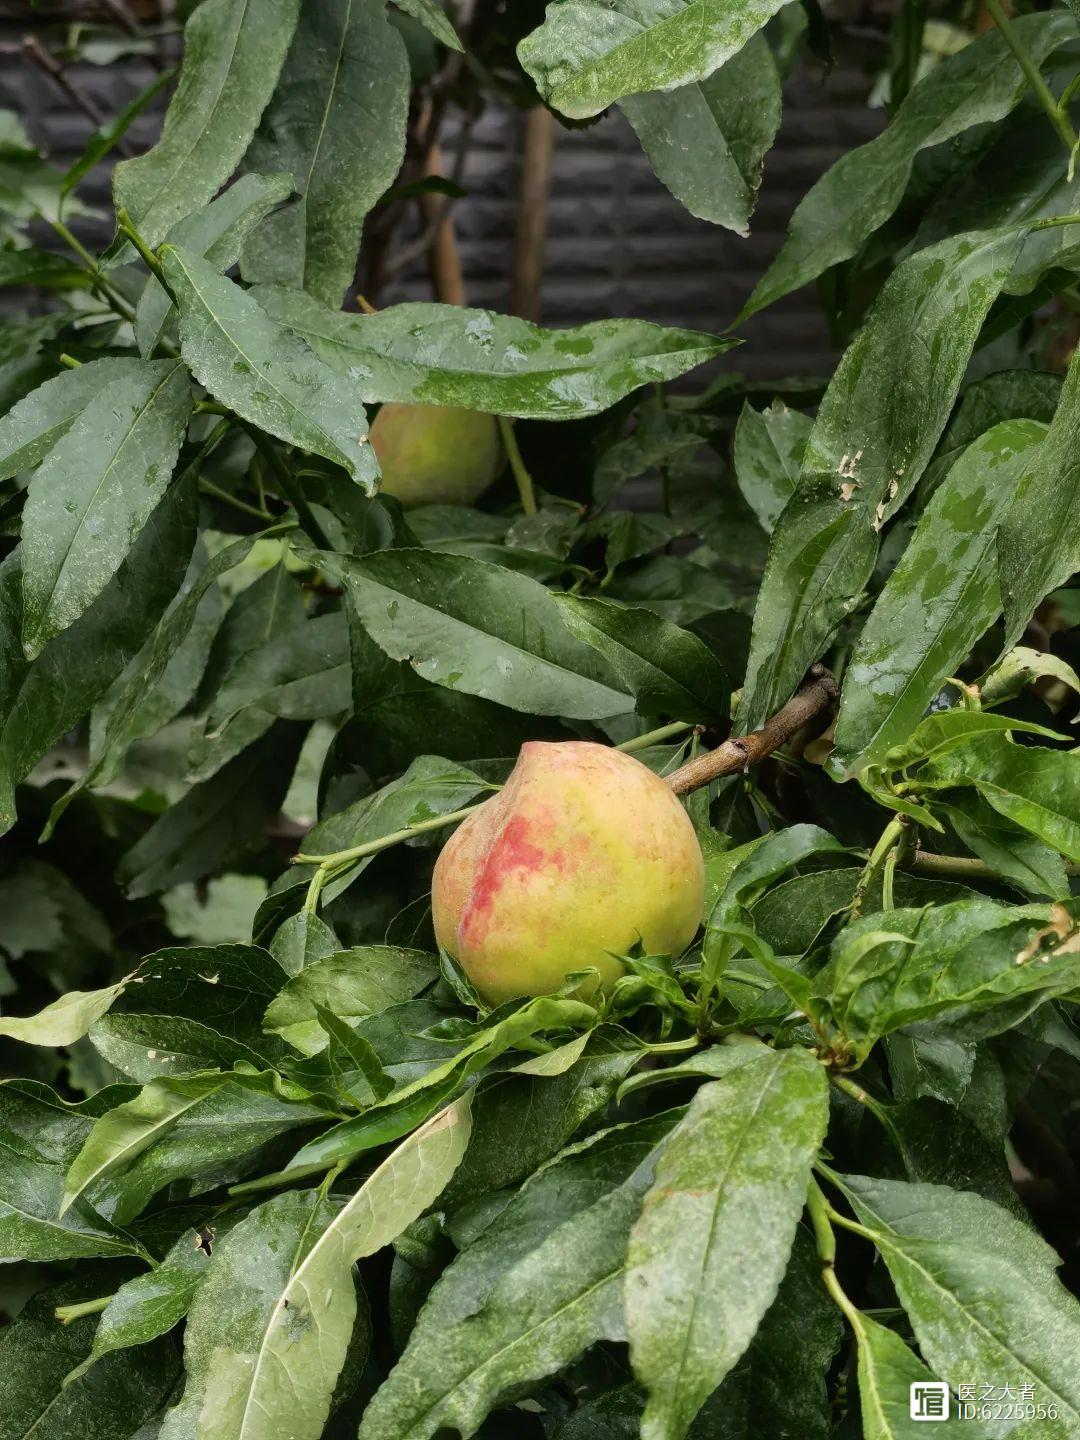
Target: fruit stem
(742,751)
(372,847)
(517,465)
(655,737)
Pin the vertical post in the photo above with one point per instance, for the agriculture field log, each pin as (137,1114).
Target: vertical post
(532,221)
(444,260)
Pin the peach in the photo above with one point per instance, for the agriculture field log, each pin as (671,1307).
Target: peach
(582,853)
(436,454)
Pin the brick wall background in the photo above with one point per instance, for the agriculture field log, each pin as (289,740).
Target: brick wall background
(618,243)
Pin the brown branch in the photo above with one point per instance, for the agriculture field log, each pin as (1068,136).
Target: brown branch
(52,67)
(742,751)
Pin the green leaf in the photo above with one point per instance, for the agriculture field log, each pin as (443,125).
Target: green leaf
(430,787)
(303,674)
(336,123)
(233,1306)
(151,1304)
(944,730)
(31,428)
(160,679)
(286,1379)
(1037,789)
(179,1126)
(707,141)
(668,670)
(414,1100)
(1020,667)
(262,371)
(36,1138)
(542,1282)
(971,960)
(216,232)
(731,1182)
(887,1369)
(1008,850)
(875,431)
(37,1353)
(357,1071)
(95,491)
(303,940)
(31,266)
(44,700)
(106,136)
(475,627)
(480,360)
(142,1047)
(65,1020)
(522,1119)
(215,821)
(768,453)
(588,54)
(233,51)
(431,14)
(351,983)
(1005,395)
(979,1287)
(1038,548)
(223,987)
(979,84)
(942,596)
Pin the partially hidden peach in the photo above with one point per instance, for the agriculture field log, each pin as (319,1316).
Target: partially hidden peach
(582,853)
(436,454)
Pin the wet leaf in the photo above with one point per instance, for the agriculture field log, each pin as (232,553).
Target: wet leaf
(479,360)
(233,50)
(336,123)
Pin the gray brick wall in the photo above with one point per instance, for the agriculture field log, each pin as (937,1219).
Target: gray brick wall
(618,243)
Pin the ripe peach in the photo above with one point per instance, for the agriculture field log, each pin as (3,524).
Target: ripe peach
(582,853)
(436,454)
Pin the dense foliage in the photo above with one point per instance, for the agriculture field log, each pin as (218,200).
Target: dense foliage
(268,1167)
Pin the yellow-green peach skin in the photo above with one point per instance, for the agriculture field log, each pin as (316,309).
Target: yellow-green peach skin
(436,454)
(582,853)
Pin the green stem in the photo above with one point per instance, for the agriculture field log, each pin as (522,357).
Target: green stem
(655,737)
(824,1235)
(674,1047)
(889,838)
(372,847)
(1042,92)
(291,490)
(888,875)
(99,285)
(69,362)
(876,1108)
(825,1239)
(69,239)
(517,465)
(209,488)
(1052,222)
(963,867)
(126,227)
(67,1313)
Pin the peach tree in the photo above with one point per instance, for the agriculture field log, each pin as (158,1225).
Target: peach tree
(273,1162)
